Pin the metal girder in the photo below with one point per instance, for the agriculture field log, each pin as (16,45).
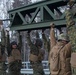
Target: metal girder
(39,25)
(24,18)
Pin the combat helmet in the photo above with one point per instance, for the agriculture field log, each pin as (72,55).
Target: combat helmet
(13,43)
(63,36)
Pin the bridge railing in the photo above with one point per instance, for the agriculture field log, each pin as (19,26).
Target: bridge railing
(27,68)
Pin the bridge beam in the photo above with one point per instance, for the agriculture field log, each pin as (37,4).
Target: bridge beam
(37,15)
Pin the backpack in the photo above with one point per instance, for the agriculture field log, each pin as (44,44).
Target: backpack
(55,62)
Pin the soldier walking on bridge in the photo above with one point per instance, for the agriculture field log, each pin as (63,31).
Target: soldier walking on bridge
(36,55)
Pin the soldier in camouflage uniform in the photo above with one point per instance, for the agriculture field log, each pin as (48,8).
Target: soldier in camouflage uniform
(3,66)
(71,28)
(60,54)
(2,61)
(36,55)
(14,59)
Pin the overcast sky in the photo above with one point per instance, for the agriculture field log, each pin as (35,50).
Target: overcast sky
(3,9)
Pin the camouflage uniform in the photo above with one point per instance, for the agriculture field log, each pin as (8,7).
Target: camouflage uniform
(36,57)
(14,61)
(59,56)
(71,28)
(46,42)
(3,66)
(46,45)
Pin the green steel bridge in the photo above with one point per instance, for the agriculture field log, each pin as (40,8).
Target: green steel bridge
(37,16)
(24,18)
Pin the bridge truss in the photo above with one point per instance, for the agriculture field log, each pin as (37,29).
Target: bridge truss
(24,18)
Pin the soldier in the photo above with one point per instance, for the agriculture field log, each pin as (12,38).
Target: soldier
(14,59)
(60,54)
(3,66)
(36,55)
(71,29)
